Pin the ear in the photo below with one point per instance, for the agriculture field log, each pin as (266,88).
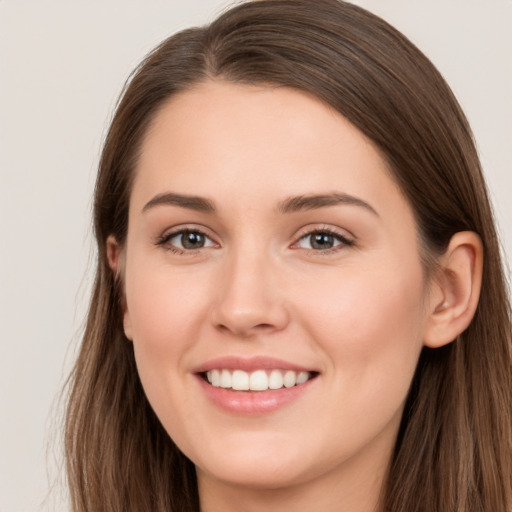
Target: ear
(455,290)
(115,256)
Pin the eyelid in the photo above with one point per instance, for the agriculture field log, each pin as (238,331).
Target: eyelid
(169,234)
(346,239)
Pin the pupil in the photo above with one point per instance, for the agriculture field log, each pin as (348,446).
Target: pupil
(192,240)
(322,241)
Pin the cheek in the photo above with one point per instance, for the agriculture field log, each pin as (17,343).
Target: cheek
(162,303)
(163,309)
(360,301)
(370,327)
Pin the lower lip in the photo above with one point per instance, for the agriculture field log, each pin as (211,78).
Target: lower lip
(253,402)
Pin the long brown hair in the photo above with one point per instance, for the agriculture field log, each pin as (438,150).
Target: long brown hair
(453,451)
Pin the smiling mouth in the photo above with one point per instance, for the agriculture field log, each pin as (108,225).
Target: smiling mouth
(259,380)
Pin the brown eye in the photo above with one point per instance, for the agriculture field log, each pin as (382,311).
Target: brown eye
(323,241)
(192,240)
(186,240)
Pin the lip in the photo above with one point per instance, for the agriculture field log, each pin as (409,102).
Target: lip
(250,364)
(253,402)
(249,403)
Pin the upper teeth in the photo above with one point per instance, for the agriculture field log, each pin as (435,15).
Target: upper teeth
(259,380)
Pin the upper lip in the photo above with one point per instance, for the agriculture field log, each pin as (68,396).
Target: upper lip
(249,364)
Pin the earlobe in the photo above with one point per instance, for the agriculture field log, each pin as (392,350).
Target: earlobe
(115,261)
(455,290)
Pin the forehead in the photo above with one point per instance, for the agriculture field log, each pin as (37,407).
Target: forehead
(257,143)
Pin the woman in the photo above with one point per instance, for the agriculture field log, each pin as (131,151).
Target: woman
(299,299)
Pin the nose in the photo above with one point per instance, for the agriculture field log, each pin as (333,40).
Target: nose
(250,299)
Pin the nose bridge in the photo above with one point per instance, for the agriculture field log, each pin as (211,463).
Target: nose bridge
(249,299)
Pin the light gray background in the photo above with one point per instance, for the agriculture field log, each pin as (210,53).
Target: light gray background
(62,65)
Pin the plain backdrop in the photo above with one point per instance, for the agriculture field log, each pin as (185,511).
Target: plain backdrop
(62,66)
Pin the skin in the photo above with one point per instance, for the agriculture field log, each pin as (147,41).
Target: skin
(358,314)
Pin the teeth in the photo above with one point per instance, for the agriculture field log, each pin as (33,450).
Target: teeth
(259,380)
(240,380)
(303,377)
(214,378)
(225,379)
(290,378)
(275,381)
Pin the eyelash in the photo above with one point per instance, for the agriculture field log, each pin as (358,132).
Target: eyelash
(163,241)
(344,241)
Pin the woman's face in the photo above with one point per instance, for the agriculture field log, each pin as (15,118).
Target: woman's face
(268,246)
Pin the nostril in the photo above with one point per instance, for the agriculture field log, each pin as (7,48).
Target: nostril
(246,331)
(264,327)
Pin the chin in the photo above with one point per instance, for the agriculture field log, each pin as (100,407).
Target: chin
(251,474)
(258,464)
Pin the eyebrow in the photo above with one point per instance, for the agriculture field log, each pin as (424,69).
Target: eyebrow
(289,205)
(197,203)
(312,202)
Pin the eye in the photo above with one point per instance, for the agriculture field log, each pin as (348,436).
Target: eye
(186,240)
(323,240)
